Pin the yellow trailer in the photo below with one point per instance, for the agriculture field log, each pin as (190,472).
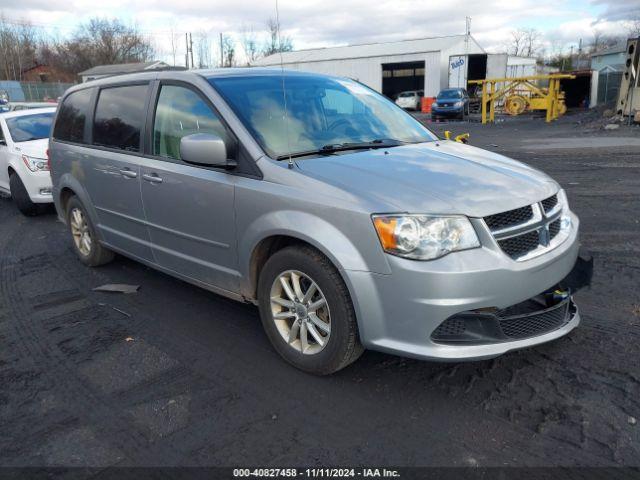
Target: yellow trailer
(521,94)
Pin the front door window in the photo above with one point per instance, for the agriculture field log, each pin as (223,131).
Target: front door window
(181,112)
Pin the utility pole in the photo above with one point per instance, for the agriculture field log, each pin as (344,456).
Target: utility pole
(186,55)
(579,55)
(571,58)
(467,34)
(193,65)
(221,52)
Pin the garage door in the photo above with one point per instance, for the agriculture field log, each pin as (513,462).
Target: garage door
(402,77)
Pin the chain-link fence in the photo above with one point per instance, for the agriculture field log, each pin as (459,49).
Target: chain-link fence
(32,91)
(608,87)
(39,92)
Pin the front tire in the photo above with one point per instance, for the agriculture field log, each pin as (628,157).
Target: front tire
(85,241)
(21,196)
(307,312)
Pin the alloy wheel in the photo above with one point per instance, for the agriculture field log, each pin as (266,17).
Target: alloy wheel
(300,312)
(80,232)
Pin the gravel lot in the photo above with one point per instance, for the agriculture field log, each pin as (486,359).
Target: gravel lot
(174,375)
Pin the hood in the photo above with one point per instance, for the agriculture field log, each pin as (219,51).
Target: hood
(34,148)
(442,177)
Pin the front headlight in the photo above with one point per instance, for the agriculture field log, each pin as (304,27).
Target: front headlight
(562,200)
(35,164)
(565,219)
(458,104)
(424,237)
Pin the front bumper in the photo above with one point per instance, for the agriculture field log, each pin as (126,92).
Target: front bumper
(37,184)
(446,111)
(407,104)
(398,313)
(544,313)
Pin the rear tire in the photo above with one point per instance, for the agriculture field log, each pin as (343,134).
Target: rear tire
(83,233)
(21,196)
(340,342)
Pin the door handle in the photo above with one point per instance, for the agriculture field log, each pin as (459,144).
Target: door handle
(128,173)
(152,177)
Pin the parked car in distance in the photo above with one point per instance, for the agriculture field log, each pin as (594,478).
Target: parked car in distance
(451,102)
(345,220)
(24,168)
(15,106)
(410,100)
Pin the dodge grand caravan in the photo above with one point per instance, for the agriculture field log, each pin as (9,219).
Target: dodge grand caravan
(344,219)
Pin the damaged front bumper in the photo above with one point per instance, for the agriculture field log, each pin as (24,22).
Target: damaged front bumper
(551,310)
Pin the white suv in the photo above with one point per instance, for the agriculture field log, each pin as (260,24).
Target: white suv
(410,100)
(24,169)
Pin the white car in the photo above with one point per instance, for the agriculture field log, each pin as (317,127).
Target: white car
(410,100)
(24,168)
(15,106)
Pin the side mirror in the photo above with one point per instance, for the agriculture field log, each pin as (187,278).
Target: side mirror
(205,149)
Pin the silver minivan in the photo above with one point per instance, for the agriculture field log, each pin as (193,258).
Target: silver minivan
(343,218)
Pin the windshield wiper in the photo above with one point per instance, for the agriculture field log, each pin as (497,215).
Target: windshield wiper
(341,147)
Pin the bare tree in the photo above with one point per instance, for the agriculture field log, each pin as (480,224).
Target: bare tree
(228,51)
(600,41)
(203,49)
(633,27)
(273,43)
(19,44)
(249,44)
(525,42)
(99,42)
(174,44)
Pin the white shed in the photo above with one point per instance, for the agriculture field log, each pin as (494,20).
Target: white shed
(393,67)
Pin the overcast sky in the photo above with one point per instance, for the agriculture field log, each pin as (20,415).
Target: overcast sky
(316,23)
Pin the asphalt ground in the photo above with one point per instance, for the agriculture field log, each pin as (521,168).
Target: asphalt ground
(176,376)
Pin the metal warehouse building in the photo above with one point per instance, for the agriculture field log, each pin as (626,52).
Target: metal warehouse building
(428,64)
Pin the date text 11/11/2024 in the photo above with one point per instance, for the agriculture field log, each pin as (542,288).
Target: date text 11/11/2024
(316,473)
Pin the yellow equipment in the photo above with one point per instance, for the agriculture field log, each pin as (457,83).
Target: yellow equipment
(521,94)
(462,138)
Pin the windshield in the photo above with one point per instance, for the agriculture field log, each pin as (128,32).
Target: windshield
(30,127)
(444,94)
(321,111)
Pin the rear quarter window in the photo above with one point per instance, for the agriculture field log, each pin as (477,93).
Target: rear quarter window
(72,117)
(119,117)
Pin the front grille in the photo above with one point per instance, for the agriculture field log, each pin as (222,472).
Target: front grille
(535,324)
(509,218)
(521,245)
(554,228)
(550,203)
(510,228)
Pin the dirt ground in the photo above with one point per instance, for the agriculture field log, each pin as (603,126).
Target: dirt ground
(173,375)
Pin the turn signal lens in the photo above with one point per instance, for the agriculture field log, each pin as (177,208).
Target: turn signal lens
(386,231)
